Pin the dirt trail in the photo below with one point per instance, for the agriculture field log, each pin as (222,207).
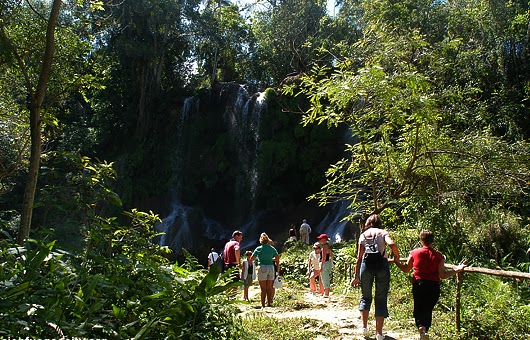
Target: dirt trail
(332,311)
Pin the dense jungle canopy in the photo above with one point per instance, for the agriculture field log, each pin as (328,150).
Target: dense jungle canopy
(417,110)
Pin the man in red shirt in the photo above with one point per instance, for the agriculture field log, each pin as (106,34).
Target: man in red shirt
(231,253)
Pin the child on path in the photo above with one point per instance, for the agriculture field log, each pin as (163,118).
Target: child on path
(248,274)
(313,270)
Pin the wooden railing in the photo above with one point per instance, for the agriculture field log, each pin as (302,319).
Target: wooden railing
(459,278)
(349,266)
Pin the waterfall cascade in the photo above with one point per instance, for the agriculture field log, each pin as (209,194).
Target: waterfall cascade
(335,223)
(184,226)
(217,183)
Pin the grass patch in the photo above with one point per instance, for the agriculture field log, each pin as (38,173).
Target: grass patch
(263,327)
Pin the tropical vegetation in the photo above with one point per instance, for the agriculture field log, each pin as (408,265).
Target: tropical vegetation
(418,109)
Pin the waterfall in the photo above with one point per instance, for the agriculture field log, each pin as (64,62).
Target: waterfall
(190,105)
(334,224)
(244,118)
(253,116)
(173,237)
(189,227)
(216,186)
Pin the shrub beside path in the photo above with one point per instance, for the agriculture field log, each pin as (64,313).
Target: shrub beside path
(333,311)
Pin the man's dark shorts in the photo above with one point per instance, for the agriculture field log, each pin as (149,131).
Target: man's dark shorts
(235,273)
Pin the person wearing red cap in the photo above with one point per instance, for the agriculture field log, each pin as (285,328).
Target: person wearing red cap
(325,263)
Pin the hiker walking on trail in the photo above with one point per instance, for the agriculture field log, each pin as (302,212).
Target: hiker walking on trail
(305,230)
(428,269)
(326,258)
(266,255)
(372,266)
(313,270)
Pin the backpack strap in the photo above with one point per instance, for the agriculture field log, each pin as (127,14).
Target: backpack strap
(374,237)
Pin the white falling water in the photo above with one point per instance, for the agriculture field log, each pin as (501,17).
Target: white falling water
(190,104)
(334,224)
(254,117)
(183,236)
(242,117)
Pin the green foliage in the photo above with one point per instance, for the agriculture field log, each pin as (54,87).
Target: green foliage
(294,261)
(223,44)
(118,285)
(123,289)
(422,140)
(76,191)
(289,35)
(500,238)
(495,310)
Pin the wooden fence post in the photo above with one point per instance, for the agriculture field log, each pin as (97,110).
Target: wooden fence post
(458,292)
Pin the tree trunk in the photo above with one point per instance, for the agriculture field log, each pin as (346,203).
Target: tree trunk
(35,106)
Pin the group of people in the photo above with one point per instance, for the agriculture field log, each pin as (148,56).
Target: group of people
(304,232)
(265,255)
(268,260)
(319,266)
(373,266)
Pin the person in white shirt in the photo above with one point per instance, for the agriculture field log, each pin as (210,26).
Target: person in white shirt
(212,257)
(305,230)
(313,270)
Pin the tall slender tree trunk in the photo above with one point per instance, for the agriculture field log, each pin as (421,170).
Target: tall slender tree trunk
(35,106)
(216,52)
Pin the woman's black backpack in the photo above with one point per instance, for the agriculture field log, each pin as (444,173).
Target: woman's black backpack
(373,258)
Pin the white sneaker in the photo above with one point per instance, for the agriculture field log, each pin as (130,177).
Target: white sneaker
(365,331)
(379,337)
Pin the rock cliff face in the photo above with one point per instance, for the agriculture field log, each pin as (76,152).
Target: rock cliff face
(241,160)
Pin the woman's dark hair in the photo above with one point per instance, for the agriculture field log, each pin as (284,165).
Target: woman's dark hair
(374,221)
(427,237)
